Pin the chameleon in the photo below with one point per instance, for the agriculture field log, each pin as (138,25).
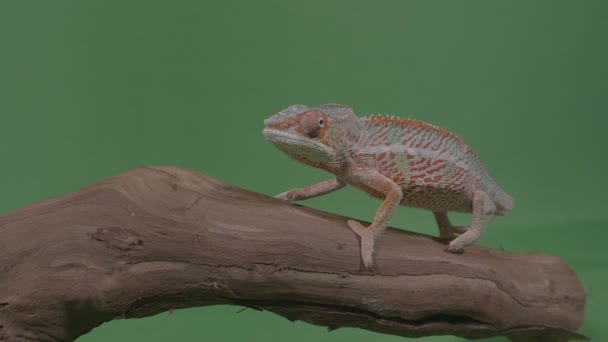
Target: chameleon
(404,162)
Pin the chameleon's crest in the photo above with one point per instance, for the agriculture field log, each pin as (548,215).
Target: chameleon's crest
(295,109)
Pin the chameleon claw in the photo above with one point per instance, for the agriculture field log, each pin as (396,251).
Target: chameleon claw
(456,246)
(282,196)
(291,195)
(367,242)
(470,235)
(357,227)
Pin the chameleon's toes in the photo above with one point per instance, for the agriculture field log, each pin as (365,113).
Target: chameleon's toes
(282,196)
(367,242)
(291,195)
(357,227)
(367,250)
(456,246)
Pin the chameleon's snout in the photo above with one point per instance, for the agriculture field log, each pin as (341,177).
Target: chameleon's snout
(274,121)
(279,121)
(285,118)
(270,121)
(275,127)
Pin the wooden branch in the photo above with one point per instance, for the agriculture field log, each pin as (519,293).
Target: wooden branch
(158,238)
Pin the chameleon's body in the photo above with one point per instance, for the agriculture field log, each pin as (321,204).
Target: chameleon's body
(405,162)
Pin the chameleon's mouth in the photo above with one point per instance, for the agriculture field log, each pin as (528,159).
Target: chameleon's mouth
(272,121)
(270,132)
(294,144)
(275,136)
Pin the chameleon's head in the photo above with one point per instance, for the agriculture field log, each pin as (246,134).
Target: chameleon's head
(310,135)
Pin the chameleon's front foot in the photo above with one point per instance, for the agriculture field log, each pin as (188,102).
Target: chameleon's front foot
(367,241)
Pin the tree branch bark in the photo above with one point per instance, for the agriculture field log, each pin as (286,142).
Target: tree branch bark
(158,238)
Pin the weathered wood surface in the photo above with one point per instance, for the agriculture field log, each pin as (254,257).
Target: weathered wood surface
(159,238)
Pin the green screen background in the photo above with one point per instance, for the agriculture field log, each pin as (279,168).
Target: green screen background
(91,89)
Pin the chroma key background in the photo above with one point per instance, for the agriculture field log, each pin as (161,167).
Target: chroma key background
(91,89)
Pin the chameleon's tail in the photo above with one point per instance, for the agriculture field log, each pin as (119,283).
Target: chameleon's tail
(504,203)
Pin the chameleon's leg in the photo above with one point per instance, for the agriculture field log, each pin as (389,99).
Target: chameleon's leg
(384,214)
(446,230)
(312,191)
(445,226)
(478,226)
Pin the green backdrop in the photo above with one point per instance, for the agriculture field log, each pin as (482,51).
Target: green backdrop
(91,89)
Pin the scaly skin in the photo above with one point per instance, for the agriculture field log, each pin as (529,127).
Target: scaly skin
(402,161)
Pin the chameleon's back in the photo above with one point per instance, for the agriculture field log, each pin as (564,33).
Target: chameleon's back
(435,168)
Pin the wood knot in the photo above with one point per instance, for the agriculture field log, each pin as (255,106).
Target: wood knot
(117,237)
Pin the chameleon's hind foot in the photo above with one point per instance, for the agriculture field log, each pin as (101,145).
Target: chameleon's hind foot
(451,233)
(367,242)
(447,235)
(447,231)
(457,245)
(478,226)
(468,237)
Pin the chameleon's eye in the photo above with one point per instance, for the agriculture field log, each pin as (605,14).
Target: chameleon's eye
(312,122)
